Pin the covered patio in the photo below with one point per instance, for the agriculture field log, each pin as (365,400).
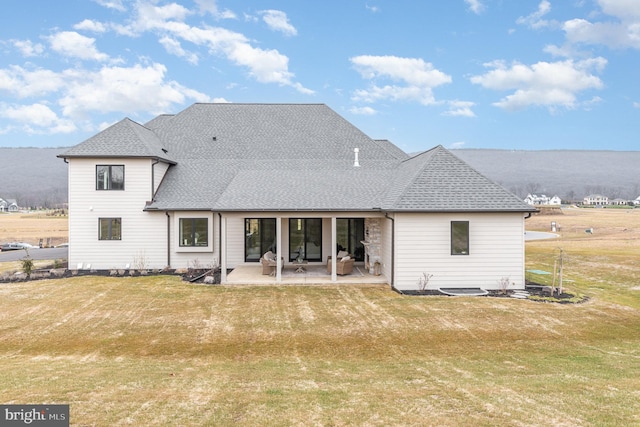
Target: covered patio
(251,274)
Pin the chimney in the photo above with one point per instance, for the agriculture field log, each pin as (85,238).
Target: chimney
(356,163)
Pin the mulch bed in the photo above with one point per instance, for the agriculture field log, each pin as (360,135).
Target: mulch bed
(540,293)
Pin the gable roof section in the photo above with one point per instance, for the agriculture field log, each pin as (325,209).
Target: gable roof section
(123,139)
(438,181)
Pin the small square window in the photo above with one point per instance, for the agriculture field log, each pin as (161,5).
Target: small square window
(110,177)
(194,231)
(459,237)
(109,229)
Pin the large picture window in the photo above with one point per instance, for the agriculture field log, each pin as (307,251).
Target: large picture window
(260,237)
(459,237)
(305,239)
(194,232)
(109,229)
(110,177)
(350,234)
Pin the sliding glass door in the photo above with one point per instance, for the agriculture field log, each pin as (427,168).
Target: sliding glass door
(305,239)
(260,237)
(349,234)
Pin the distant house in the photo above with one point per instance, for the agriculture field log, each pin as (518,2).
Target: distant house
(9,205)
(637,201)
(619,202)
(535,200)
(596,200)
(227,184)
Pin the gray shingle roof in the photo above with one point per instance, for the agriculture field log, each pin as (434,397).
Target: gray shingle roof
(436,180)
(123,139)
(248,157)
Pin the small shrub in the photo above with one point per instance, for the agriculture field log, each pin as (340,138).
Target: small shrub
(27,265)
(423,282)
(503,284)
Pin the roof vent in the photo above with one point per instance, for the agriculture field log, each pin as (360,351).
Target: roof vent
(215,139)
(356,163)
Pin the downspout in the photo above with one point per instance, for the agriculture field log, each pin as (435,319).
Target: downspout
(220,240)
(168,239)
(393,248)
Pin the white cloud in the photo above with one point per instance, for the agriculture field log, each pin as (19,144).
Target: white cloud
(622,9)
(173,47)
(112,4)
(264,65)
(24,83)
(534,20)
(74,45)
(37,118)
(211,7)
(612,34)
(374,9)
(28,48)
(416,76)
(475,6)
(80,92)
(617,28)
(363,111)
(89,25)
(548,84)
(123,89)
(278,21)
(459,144)
(460,108)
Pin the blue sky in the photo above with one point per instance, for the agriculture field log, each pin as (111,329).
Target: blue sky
(509,74)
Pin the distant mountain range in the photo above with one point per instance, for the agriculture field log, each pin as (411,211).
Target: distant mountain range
(36,177)
(570,174)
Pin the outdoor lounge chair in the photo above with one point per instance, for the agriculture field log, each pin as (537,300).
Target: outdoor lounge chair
(269,263)
(343,266)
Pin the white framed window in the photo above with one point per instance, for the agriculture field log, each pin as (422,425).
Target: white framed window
(109,228)
(194,232)
(109,177)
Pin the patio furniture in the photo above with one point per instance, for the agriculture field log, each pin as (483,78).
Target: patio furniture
(299,265)
(269,263)
(343,266)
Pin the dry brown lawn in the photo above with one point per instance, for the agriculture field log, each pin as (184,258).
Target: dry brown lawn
(158,351)
(30,228)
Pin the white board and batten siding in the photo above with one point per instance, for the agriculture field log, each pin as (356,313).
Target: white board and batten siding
(423,245)
(143,239)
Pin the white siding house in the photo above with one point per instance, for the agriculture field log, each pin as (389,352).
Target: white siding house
(222,184)
(496,250)
(596,200)
(88,206)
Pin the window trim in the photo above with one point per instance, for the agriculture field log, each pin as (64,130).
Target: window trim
(112,221)
(110,181)
(193,231)
(465,251)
